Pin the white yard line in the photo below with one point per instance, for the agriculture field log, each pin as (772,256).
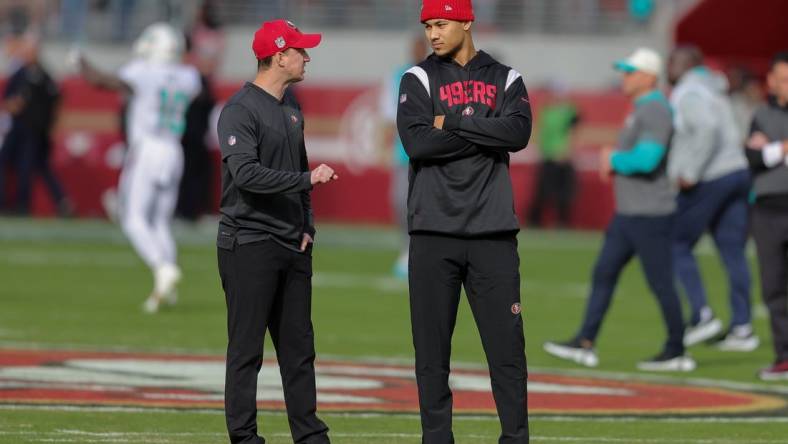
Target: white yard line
(698,382)
(410,416)
(70,435)
(592,440)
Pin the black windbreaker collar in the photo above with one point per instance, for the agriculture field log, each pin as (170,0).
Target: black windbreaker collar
(265,94)
(775,104)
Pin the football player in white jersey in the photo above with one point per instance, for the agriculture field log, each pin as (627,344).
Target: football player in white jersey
(159,89)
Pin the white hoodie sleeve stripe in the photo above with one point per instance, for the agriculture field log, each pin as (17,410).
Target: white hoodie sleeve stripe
(513,76)
(422,76)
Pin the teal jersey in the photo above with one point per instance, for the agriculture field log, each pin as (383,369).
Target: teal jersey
(400,157)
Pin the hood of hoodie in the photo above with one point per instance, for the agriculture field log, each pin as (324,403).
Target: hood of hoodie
(702,81)
(479,61)
(703,77)
(701,156)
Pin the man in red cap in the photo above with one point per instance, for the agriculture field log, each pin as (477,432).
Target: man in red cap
(461,114)
(265,236)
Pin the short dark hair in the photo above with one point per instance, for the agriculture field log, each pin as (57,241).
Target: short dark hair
(263,64)
(780,57)
(693,54)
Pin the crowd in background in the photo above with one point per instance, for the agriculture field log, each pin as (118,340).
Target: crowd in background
(73,19)
(120,20)
(559,118)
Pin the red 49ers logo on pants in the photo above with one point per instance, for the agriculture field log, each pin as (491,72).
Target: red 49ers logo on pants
(516,308)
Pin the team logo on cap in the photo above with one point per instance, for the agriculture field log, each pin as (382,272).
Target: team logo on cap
(469,111)
(448,8)
(280,42)
(516,308)
(231,140)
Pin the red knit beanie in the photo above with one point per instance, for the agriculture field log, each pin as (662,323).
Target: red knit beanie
(458,10)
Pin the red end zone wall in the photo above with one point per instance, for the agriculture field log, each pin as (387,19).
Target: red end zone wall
(762,26)
(87,149)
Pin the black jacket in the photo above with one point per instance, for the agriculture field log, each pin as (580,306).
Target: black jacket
(265,173)
(770,182)
(41,97)
(459,176)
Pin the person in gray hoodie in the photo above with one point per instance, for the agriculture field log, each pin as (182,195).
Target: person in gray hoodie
(710,169)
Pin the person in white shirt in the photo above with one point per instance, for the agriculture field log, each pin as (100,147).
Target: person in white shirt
(159,88)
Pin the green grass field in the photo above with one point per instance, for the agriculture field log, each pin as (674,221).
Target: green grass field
(79,286)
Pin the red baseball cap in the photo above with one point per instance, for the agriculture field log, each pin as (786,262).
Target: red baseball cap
(458,10)
(279,35)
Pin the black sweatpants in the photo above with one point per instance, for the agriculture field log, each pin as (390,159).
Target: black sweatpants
(648,238)
(268,286)
(770,230)
(488,268)
(30,155)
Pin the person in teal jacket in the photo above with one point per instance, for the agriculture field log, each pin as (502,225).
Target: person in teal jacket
(643,222)
(399,159)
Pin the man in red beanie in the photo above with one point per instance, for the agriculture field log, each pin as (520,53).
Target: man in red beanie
(265,237)
(461,114)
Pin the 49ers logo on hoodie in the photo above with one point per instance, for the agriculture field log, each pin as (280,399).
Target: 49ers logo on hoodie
(469,91)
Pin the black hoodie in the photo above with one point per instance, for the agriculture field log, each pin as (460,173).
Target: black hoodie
(459,176)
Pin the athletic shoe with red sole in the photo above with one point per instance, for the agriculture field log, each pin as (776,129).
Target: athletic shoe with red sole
(777,372)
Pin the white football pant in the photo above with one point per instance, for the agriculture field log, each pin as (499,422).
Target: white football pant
(149,192)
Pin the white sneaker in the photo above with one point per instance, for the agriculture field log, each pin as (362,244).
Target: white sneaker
(574,351)
(665,362)
(151,304)
(165,278)
(739,339)
(707,328)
